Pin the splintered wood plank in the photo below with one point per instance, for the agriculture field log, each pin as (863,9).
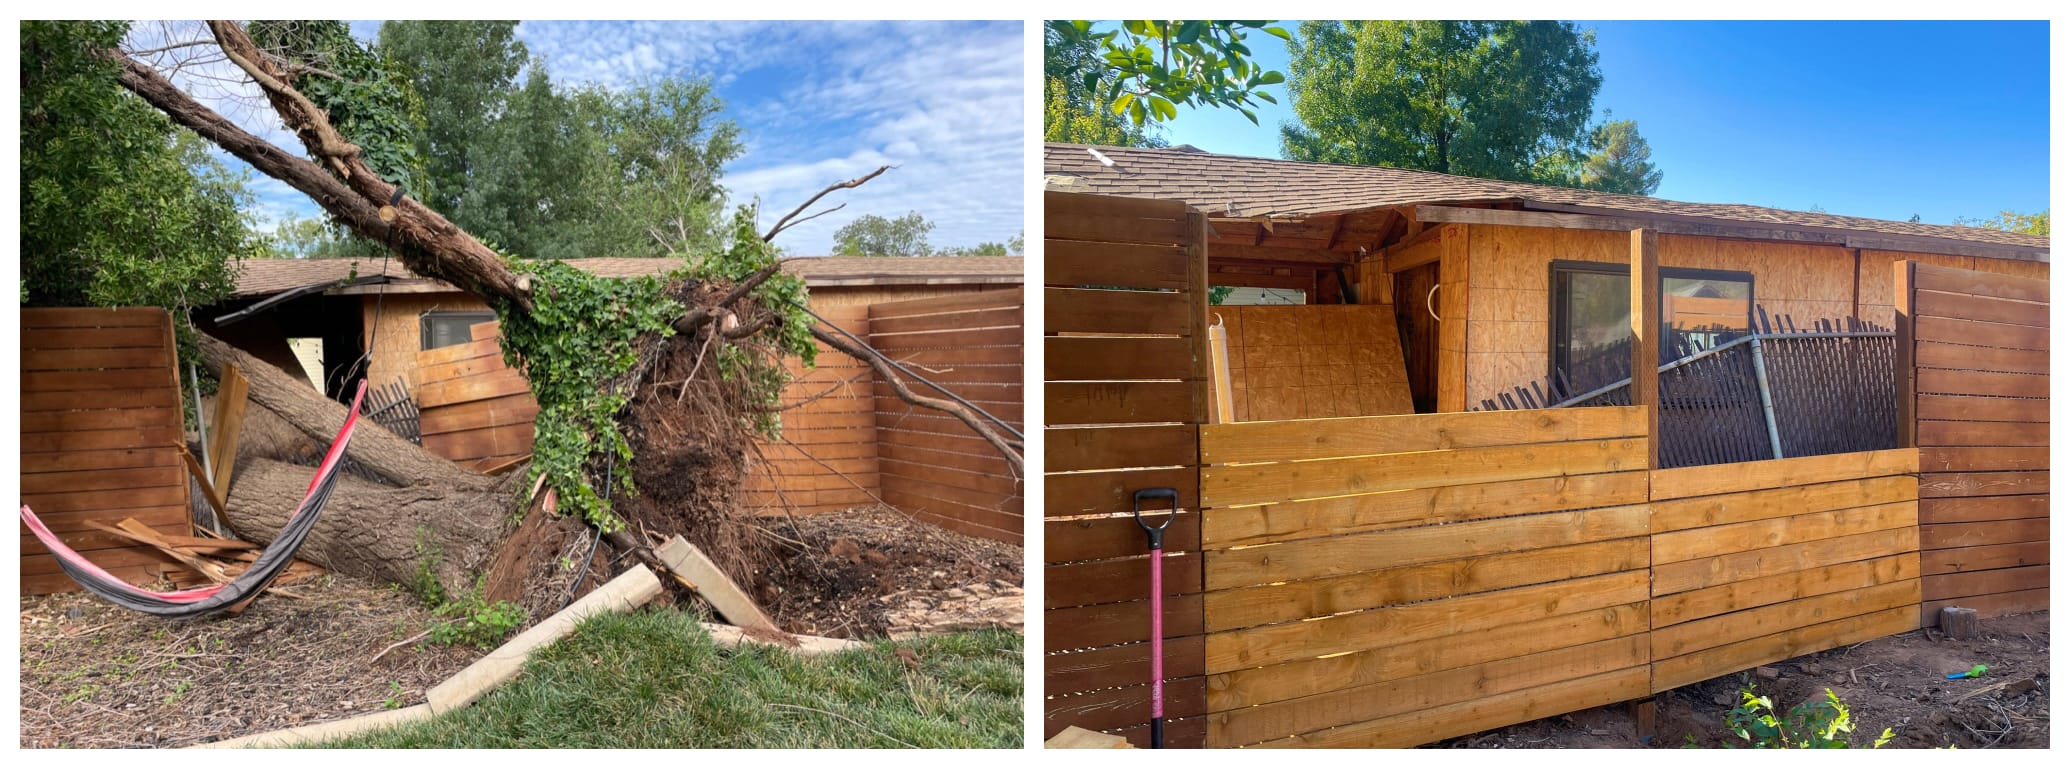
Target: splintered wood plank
(1253,484)
(1300,678)
(227,427)
(1302,519)
(1779,473)
(1263,604)
(1754,535)
(1712,632)
(1361,436)
(1356,704)
(1731,658)
(690,566)
(1677,514)
(1350,554)
(1747,594)
(1433,724)
(1684,576)
(1271,644)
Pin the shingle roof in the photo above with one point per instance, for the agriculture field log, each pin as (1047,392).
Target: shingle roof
(262,277)
(1230,185)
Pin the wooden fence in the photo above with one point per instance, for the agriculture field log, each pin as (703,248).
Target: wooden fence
(101,438)
(827,459)
(1763,561)
(1975,346)
(932,465)
(1123,372)
(473,409)
(1390,581)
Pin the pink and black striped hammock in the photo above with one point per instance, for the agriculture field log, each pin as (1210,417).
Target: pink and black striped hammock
(203,601)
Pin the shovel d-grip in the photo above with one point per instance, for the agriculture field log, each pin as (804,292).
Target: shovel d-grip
(1156,535)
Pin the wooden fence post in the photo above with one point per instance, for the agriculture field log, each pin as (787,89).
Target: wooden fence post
(1645,284)
(1906,373)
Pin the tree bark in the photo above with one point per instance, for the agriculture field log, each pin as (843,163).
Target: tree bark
(374,531)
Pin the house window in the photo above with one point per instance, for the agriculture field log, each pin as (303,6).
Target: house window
(1591,309)
(444,329)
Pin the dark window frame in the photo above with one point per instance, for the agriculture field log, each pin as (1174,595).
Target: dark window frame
(1557,316)
(425,319)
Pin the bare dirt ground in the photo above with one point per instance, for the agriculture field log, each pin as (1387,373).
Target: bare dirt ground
(1899,682)
(867,573)
(95,675)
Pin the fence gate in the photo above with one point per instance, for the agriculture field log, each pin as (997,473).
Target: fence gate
(1973,357)
(1124,331)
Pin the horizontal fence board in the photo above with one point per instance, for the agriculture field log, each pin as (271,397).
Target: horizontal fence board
(1433,724)
(1116,708)
(1986,582)
(1711,632)
(1085,627)
(1102,311)
(1338,556)
(1951,355)
(1115,358)
(1982,334)
(1958,408)
(1949,535)
(1732,658)
(1692,512)
(92,317)
(1081,263)
(1747,594)
(1115,580)
(1683,576)
(95,359)
(1984,383)
(1972,509)
(1936,433)
(1083,403)
(1981,307)
(1933,277)
(1360,436)
(1987,606)
(1962,559)
(1934,459)
(1976,484)
(1097,448)
(1120,665)
(1281,521)
(100,379)
(1671,547)
(1096,493)
(1252,484)
(150,336)
(1090,539)
(1778,473)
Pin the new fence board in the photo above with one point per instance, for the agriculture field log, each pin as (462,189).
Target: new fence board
(1978,387)
(1365,572)
(1781,557)
(101,433)
(1124,329)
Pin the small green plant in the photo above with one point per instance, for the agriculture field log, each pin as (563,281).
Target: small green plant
(424,584)
(179,692)
(1814,724)
(477,622)
(395,696)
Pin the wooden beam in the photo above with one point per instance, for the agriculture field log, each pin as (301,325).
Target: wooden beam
(1645,304)
(228,424)
(1677,224)
(1245,251)
(690,566)
(1907,371)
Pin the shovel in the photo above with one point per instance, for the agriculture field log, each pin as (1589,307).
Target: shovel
(1156,534)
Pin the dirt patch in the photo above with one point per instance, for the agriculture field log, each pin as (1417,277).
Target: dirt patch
(98,676)
(857,574)
(1899,682)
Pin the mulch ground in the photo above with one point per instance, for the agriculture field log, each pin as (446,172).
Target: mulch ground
(1898,682)
(97,676)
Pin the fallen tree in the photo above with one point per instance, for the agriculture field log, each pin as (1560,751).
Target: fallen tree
(683,405)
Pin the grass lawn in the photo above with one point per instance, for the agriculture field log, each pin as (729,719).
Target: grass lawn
(654,679)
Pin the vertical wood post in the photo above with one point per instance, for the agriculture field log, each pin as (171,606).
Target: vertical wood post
(1906,374)
(1646,335)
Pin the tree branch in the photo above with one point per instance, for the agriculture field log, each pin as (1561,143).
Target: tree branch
(847,185)
(890,376)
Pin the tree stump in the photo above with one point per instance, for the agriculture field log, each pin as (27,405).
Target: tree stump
(1959,623)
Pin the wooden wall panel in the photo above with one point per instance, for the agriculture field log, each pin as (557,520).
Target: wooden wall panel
(938,469)
(1124,394)
(1313,361)
(101,436)
(1978,391)
(1340,611)
(472,408)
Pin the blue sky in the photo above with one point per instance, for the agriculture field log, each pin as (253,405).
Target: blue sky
(1879,119)
(818,103)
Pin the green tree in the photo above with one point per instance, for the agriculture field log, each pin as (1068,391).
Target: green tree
(119,206)
(1619,160)
(366,94)
(1075,112)
(873,235)
(1491,99)
(2011,221)
(467,72)
(1145,69)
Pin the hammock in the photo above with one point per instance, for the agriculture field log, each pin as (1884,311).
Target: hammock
(203,601)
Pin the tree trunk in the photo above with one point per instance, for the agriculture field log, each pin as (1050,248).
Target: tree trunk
(374,531)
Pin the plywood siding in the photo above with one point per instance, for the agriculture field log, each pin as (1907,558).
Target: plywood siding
(932,466)
(394,324)
(1305,361)
(1509,332)
(1978,345)
(1123,394)
(101,434)
(1392,581)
